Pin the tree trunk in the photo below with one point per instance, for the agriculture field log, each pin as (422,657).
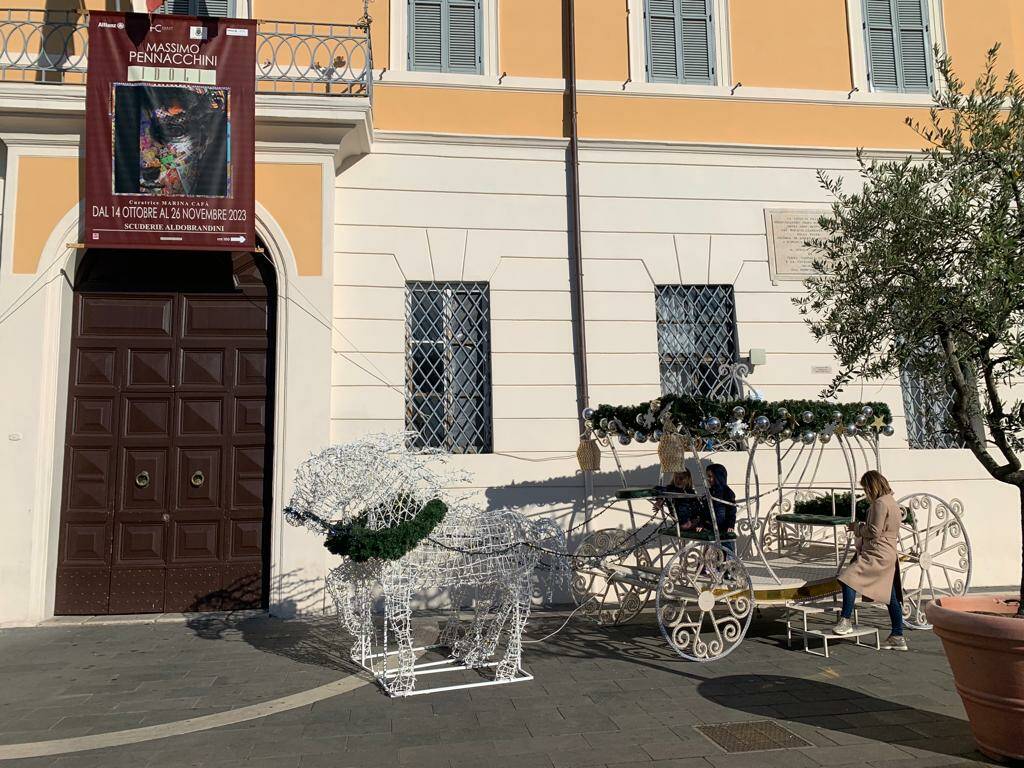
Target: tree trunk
(1020,605)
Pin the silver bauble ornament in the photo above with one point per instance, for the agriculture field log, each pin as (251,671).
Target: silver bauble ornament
(603,423)
(851,430)
(712,424)
(588,413)
(807,417)
(808,437)
(588,424)
(824,437)
(861,420)
(787,434)
(783,413)
(761,423)
(624,440)
(738,412)
(656,435)
(868,411)
(888,430)
(640,437)
(837,416)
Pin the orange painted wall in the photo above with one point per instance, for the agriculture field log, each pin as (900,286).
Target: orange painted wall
(790,44)
(973,26)
(530,38)
(293,194)
(480,112)
(731,121)
(333,12)
(47,190)
(602,40)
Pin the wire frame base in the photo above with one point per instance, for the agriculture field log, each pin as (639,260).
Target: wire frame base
(444,666)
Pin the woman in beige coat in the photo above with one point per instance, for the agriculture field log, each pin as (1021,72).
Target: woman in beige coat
(873,572)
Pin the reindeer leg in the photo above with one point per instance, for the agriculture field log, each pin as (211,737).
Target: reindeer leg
(398,615)
(452,630)
(510,665)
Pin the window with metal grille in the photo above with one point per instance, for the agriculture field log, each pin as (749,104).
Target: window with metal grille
(445,36)
(898,40)
(680,41)
(696,337)
(448,366)
(927,400)
(213,8)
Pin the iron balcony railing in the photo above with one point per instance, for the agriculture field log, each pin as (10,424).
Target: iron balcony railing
(291,57)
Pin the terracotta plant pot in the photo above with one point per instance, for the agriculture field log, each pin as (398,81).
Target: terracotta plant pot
(986,654)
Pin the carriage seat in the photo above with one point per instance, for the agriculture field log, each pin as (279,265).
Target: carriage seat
(705,535)
(826,521)
(637,493)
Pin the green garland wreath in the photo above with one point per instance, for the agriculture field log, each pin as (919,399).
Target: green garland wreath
(689,413)
(822,506)
(356,541)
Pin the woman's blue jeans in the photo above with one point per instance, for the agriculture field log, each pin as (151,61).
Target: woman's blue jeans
(895,609)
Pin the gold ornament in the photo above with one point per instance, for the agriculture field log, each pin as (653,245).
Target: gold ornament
(589,455)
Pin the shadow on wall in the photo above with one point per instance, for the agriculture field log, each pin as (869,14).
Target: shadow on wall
(290,593)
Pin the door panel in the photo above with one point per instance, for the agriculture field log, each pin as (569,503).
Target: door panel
(167,442)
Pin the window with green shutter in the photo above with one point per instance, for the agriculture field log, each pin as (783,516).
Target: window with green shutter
(898,40)
(213,8)
(680,41)
(445,36)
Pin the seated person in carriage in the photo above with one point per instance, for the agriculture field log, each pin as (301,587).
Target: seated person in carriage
(690,511)
(723,501)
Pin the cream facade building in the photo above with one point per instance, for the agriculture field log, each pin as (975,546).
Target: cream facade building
(450,167)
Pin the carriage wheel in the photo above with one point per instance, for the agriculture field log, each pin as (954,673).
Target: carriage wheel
(612,588)
(705,602)
(935,554)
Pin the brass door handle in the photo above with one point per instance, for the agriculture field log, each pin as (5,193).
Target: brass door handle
(197,479)
(142,479)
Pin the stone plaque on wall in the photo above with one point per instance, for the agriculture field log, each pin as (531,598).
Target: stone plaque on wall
(788,229)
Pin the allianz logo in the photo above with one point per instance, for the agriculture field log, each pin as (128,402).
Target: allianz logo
(110,25)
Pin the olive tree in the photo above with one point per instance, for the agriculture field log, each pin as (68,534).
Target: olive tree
(923,266)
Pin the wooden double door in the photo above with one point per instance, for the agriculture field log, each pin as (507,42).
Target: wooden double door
(168,435)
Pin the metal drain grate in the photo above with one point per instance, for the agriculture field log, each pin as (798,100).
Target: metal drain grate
(752,737)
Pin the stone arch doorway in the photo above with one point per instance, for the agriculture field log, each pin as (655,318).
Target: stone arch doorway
(168,448)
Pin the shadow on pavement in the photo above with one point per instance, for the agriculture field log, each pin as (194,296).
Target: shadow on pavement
(851,715)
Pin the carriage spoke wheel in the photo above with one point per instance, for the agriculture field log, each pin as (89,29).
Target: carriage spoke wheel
(705,602)
(935,554)
(612,588)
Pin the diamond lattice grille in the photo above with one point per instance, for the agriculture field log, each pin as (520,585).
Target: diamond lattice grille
(696,336)
(448,366)
(926,403)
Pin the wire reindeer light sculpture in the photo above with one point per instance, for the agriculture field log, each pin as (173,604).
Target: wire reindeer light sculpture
(377,481)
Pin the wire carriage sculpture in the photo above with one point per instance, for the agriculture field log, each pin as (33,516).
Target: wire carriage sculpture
(707,585)
(494,553)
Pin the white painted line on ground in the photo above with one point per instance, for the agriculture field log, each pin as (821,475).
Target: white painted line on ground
(181,727)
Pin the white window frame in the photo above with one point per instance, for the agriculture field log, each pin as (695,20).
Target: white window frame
(638,53)
(859,53)
(398,64)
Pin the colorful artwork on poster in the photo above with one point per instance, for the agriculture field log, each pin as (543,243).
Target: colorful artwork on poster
(183,140)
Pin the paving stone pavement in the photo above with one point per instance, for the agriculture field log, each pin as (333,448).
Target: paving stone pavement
(613,697)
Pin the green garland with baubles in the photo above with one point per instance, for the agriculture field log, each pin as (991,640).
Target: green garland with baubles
(806,420)
(360,543)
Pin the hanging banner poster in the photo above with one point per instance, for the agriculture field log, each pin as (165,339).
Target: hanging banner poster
(170,132)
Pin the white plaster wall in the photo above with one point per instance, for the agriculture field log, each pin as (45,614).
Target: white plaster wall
(463,210)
